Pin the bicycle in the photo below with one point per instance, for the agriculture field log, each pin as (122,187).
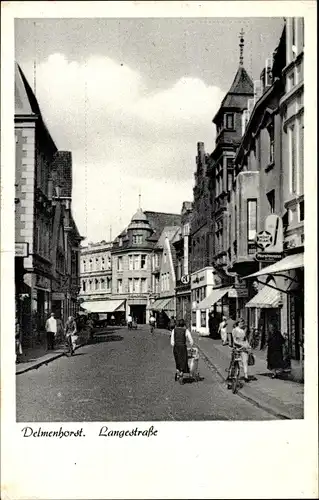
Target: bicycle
(69,349)
(234,369)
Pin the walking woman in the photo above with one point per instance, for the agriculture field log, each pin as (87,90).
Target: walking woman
(70,333)
(180,335)
(275,360)
(240,341)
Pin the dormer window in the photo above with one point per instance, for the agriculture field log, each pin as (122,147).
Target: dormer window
(120,242)
(229,121)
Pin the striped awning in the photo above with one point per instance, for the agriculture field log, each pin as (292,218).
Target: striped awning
(166,304)
(103,306)
(213,297)
(290,262)
(266,298)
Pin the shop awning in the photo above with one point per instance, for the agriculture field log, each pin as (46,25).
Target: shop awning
(103,306)
(266,298)
(290,262)
(213,297)
(162,305)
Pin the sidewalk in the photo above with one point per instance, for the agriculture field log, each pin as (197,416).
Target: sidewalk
(35,357)
(283,398)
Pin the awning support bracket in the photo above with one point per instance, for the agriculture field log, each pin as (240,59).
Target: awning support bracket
(278,289)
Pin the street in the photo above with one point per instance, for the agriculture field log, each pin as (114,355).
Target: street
(125,376)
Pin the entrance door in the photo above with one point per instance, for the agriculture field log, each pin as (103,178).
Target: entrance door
(138,312)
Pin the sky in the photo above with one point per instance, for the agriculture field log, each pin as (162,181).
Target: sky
(130,98)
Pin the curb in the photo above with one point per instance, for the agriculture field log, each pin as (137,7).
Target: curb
(39,363)
(243,394)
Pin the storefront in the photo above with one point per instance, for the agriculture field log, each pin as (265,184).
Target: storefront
(163,309)
(217,303)
(280,298)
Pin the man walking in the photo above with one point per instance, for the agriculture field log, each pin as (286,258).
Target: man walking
(129,322)
(51,328)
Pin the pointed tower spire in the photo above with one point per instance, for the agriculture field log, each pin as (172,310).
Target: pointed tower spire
(139,200)
(241,47)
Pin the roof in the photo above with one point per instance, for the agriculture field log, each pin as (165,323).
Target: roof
(159,220)
(168,232)
(139,216)
(242,85)
(24,99)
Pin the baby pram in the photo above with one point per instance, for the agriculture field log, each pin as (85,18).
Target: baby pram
(193,357)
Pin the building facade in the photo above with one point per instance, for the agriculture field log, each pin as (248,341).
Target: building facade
(46,237)
(182,247)
(127,272)
(163,260)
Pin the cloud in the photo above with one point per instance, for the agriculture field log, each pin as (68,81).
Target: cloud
(123,137)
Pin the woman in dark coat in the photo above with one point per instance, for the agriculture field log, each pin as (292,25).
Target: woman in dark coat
(276,340)
(179,337)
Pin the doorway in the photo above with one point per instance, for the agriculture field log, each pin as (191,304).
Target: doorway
(138,312)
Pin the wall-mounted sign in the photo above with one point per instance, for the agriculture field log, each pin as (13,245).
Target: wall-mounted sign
(268,257)
(58,296)
(185,279)
(42,282)
(274,226)
(236,293)
(21,249)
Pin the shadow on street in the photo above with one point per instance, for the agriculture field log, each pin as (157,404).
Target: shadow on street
(106,337)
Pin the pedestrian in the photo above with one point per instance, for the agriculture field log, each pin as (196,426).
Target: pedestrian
(152,323)
(211,324)
(129,321)
(172,323)
(230,327)
(275,359)
(89,327)
(51,327)
(70,332)
(240,341)
(179,337)
(18,341)
(222,329)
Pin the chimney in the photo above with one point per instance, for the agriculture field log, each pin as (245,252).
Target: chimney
(200,154)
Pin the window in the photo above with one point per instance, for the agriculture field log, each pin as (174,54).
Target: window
(91,265)
(130,262)
(136,285)
(90,285)
(120,242)
(102,284)
(156,260)
(120,263)
(83,286)
(229,121)
(130,285)
(143,261)
(136,262)
(97,264)
(251,224)
(97,284)
(203,318)
(143,285)
(108,283)
(84,266)
(271,133)
(301,211)
(102,263)
(109,263)
(137,238)
(271,201)
(292,158)
(119,286)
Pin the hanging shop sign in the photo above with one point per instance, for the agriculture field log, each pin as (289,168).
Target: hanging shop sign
(185,279)
(21,249)
(270,240)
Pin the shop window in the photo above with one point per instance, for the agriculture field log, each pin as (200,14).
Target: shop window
(194,318)
(203,319)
